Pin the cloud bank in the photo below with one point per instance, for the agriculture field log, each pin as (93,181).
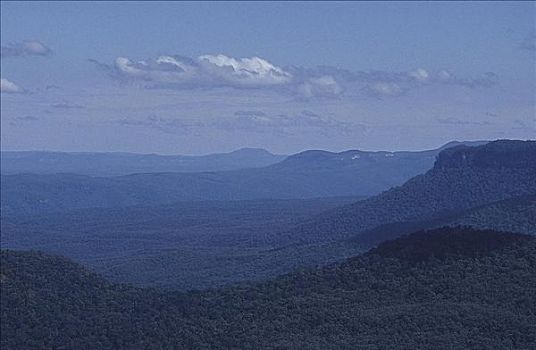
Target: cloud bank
(383,84)
(205,71)
(218,71)
(25,48)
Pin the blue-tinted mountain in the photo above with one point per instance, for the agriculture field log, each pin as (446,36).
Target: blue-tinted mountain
(462,178)
(309,174)
(205,244)
(115,164)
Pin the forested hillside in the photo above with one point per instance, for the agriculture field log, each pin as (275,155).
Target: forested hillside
(446,289)
(516,214)
(462,178)
(513,215)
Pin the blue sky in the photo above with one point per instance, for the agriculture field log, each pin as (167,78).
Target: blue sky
(195,78)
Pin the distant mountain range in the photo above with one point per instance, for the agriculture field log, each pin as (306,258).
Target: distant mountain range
(446,289)
(202,244)
(115,164)
(309,174)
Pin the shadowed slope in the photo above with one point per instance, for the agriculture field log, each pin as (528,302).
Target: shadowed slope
(479,293)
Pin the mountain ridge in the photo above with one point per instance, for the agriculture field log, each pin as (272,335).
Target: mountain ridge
(123,163)
(437,192)
(50,162)
(24,194)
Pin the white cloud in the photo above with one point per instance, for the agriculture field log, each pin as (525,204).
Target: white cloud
(444,75)
(35,48)
(325,86)
(165,69)
(419,74)
(216,71)
(384,89)
(9,87)
(252,71)
(212,71)
(25,48)
(207,70)
(386,84)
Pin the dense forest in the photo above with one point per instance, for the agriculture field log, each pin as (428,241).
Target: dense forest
(493,172)
(188,245)
(516,214)
(452,288)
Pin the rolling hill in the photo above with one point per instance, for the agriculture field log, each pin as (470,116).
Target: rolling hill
(446,289)
(516,214)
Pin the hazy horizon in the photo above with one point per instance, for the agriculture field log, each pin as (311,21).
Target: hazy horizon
(247,148)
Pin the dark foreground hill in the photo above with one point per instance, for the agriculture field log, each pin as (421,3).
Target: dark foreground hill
(310,174)
(462,178)
(447,289)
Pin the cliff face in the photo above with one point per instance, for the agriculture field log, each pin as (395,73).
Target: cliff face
(497,154)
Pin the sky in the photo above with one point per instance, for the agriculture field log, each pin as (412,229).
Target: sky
(197,78)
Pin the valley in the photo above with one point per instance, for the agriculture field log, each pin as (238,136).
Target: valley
(204,244)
